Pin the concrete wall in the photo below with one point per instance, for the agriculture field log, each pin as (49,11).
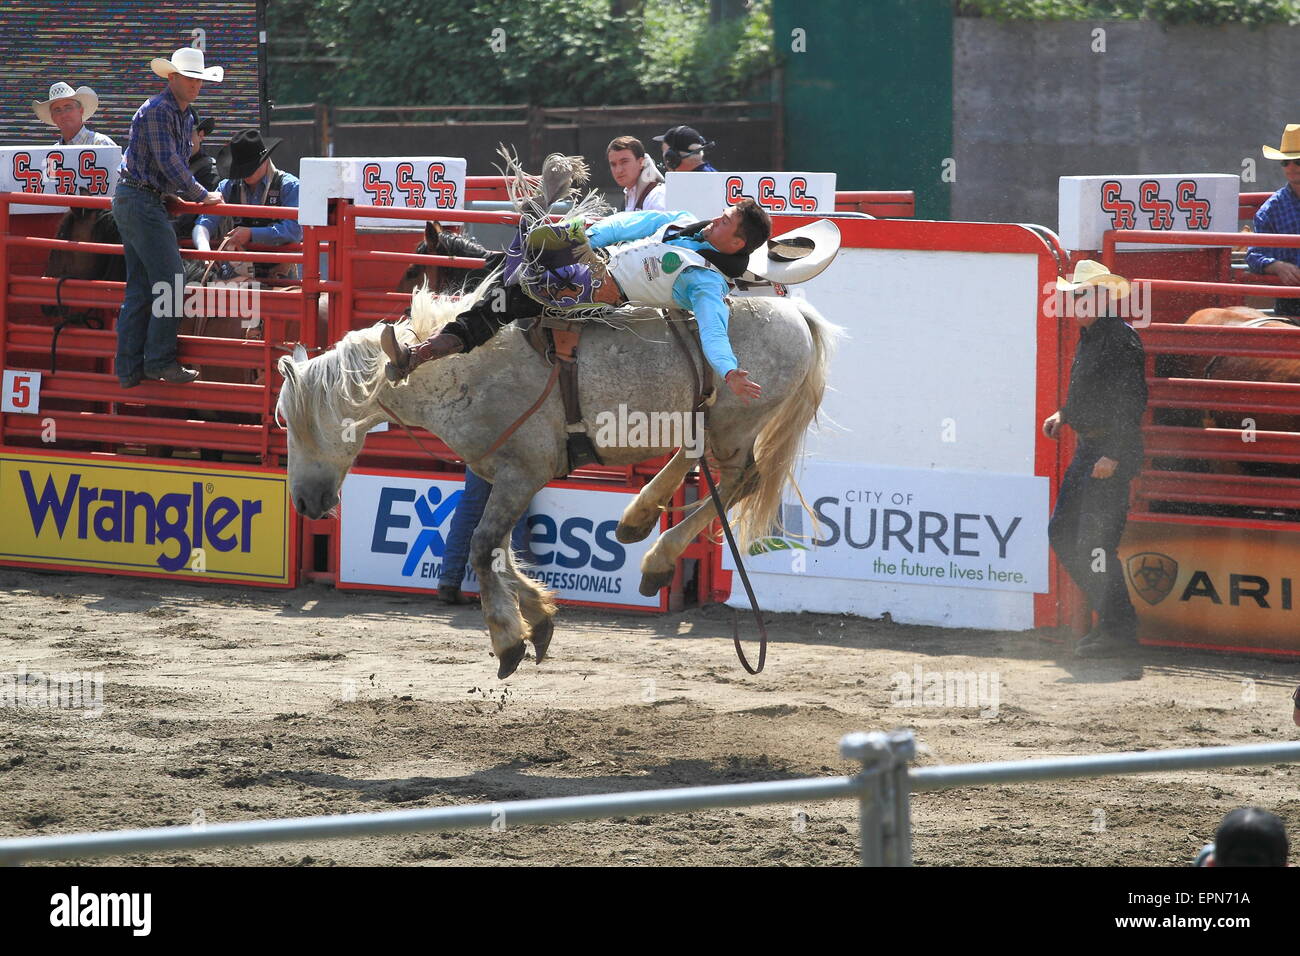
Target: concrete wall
(1033,102)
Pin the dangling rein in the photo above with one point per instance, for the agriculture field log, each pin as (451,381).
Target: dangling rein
(702,404)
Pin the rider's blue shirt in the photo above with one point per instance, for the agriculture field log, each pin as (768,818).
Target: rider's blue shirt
(697,289)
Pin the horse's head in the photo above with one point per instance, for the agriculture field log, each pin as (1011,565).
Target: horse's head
(419,273)
(326,406)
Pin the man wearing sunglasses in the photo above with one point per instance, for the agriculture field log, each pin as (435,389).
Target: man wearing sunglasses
(1280,213)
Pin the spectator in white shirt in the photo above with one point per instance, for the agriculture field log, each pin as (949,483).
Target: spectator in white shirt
(636,173)
(69,109)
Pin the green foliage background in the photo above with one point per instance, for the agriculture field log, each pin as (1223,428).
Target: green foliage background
(1204,12)
(557,52)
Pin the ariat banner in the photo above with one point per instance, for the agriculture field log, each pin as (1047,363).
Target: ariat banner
(1213,586)
(164,520)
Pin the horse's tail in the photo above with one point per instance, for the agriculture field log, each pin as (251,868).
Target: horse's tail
(780,443)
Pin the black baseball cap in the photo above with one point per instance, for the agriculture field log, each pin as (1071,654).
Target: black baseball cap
(1250,836)
(684,139)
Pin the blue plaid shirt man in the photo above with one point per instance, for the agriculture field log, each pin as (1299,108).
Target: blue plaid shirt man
(158,150)
(1280,213)
(157,164)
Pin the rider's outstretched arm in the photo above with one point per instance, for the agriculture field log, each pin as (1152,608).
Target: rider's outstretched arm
(626,226)
(703,291)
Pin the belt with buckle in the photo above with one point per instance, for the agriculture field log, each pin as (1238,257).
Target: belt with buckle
(136,184)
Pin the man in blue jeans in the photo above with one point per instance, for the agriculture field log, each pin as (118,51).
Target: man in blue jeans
(469,511)
(154,167)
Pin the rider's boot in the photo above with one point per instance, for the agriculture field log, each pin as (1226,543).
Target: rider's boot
(403,359)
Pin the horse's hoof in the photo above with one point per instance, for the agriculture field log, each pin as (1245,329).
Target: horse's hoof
(631,534)
(541,637)
(510,660)
(651,583)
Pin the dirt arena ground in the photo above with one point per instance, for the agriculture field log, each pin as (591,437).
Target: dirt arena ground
(235,703)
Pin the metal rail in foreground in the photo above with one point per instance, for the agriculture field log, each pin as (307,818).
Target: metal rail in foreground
(883,789)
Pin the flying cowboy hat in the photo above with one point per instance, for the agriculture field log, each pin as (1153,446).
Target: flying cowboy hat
(795,256)
(62,91)
(1290,144)
(187,61)
(244,153)
(1089,272)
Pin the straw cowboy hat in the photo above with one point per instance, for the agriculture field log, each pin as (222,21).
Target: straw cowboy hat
(797,255)
(187,61)
(62,91)
(1089,272)
(1290,144)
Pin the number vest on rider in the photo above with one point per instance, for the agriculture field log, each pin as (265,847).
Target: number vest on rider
(646,269)
(239,197)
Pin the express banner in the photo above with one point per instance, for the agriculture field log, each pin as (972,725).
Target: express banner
(160,520)
(58,170)
(913,526)
(394,534)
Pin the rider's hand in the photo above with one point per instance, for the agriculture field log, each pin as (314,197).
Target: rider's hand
(211,199)
(239,237)
(1288,273)
(1052,425)
(739,383)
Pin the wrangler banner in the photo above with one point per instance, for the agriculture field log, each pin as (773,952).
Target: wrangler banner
(154,519)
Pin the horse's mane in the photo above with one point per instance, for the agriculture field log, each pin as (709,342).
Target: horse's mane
(344,382)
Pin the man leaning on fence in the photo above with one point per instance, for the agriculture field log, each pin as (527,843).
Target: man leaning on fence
(156,166)
(1104,406)
(252,179)
(1280,213)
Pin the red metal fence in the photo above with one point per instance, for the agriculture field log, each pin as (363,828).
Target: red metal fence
(347,278)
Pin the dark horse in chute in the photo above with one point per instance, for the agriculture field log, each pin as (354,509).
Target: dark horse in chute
(81,225)
(444,280)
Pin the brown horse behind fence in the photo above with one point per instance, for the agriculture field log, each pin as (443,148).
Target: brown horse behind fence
(1236,368)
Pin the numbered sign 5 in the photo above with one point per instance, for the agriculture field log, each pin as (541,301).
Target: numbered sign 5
(22,392)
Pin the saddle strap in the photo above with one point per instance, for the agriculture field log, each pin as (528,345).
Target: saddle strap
(566,357)
(702,377)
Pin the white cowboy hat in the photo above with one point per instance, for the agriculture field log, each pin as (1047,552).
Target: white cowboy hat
(797,255)
(62,91)
(1090,272)
(187,61)
(1290,144)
